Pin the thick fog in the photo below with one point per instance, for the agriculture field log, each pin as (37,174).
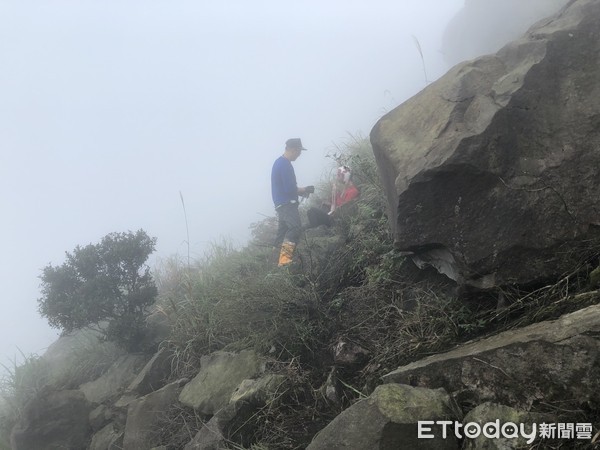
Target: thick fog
(109,109)
(484,26)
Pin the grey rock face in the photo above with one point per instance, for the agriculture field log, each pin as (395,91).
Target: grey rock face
(143,415)
(494,166)
(550,361)
(250,395)
(53,420)
(108,438)
(99,417)
(152,376)
(220,375)
(115,380)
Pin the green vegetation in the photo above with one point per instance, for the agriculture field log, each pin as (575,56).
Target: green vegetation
(347,284)
(109,282)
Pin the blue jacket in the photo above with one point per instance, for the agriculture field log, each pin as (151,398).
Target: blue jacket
(283,182)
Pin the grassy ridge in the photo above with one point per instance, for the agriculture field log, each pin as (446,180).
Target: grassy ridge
(346,285)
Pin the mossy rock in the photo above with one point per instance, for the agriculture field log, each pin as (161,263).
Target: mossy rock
(388,420)
(595,278)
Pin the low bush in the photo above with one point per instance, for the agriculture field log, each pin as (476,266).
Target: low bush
(108,281)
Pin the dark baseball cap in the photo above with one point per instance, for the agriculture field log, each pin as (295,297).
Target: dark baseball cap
(294,143)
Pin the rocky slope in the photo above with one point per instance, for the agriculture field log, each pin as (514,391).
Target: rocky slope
(490,174)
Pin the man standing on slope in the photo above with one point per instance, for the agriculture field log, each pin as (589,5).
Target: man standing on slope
(285,194)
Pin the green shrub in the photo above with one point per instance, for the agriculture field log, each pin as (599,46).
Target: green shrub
(108,281)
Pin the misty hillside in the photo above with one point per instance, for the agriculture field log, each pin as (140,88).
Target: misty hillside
(350,311)
(460,287)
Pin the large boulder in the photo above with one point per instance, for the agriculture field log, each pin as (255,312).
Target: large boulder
(68,358)
(553,361)
(144,416)
(491,171)
(245,400)
(53,420)
(112,383)
(61,351)
(388,420)
(220,375)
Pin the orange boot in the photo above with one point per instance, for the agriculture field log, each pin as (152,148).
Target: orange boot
(286,253)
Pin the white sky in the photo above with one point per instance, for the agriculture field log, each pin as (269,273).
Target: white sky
(110,108)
